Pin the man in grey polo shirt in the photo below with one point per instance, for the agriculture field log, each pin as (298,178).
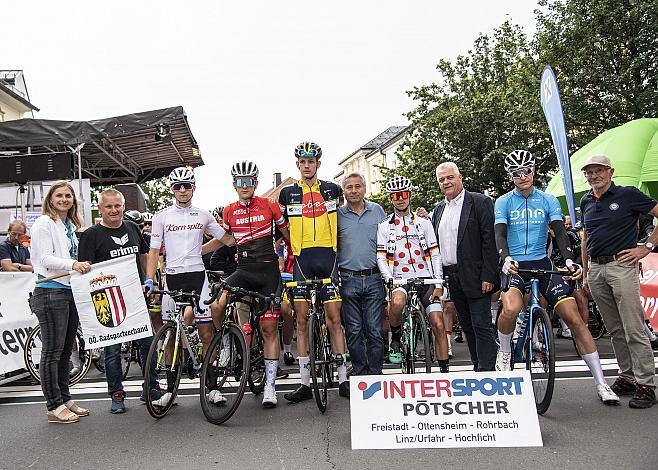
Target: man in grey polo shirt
(361,286)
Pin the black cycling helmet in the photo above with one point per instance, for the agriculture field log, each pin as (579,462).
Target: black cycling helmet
(518,159)
(134,216)
(148,217)
(217,212)
(308,149)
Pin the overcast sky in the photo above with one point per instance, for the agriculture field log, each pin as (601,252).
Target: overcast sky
(254,77)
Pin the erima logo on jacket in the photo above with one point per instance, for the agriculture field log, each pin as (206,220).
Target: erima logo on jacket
(120,241)
(123,251)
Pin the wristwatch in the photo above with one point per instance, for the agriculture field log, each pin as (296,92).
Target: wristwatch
(649,246)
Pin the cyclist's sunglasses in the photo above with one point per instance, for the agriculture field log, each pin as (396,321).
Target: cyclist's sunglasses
(304,153)
(181,186)
(400,195)
(244,181)
(521,173)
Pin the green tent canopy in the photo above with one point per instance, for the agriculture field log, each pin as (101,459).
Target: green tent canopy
(633,151)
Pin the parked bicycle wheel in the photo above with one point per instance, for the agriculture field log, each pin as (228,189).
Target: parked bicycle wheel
(98,359)
(32,355)
(257,361)
(595,321)
(128,353)
(224,371)
(422,348)
(163,366)
(540,359)
(319,361)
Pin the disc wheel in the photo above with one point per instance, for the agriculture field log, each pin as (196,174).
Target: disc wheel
(319,361)
(224,375)
(540,359)
(163,371)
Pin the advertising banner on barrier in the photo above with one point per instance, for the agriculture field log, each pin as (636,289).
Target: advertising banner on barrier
(649,288)
(111,303)
(463,409)
(16,319)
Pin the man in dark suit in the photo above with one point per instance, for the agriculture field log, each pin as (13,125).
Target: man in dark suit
(464,227)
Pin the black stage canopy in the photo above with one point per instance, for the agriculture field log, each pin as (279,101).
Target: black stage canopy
(124,149)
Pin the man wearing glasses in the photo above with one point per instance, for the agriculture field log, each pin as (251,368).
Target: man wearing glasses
(13,255)
(610,260)
(180,229)
(522,220)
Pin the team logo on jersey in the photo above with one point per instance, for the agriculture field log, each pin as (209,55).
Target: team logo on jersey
(313,207)
(614,206)
(120,241)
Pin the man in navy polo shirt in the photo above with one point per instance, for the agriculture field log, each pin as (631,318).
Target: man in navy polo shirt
(610,255)
(361,286)
(13,255)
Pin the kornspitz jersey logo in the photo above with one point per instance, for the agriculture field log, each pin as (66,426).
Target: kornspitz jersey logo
(369,391)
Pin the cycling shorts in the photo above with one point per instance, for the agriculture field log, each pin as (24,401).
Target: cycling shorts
(264,278)
(191,281)
(316,263)
(424,294)
(554,288)
(285,277)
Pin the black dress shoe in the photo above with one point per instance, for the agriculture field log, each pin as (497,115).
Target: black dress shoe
(344,389)
(302,393)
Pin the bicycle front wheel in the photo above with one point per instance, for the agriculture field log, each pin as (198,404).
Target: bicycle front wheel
(422,357)
(540,359)
(224,374)
(32,352)
(163,371)
(319,359)
(595,321)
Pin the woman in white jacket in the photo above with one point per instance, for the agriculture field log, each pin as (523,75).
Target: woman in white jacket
(54,250)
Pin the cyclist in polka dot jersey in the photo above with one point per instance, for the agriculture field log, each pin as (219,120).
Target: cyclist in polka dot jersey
(407,248)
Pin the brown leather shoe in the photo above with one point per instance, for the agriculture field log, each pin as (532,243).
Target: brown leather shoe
(78,410)
(65,416)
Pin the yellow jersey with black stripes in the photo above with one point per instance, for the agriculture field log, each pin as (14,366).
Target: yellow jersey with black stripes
(311,214)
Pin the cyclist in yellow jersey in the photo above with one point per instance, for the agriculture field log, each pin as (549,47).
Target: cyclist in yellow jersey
(310,207)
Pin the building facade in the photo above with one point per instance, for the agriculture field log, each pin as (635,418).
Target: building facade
(370,157)
(14,98)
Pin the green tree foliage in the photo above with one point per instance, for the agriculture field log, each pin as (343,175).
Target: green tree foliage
(486,102)
(158,193)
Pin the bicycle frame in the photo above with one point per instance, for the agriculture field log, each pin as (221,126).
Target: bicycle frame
(183,335)
(520,354)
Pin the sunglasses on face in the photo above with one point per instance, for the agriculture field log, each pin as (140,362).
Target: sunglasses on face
(594,172)
(181,186)
(246,181)
(521,173)
(400,196)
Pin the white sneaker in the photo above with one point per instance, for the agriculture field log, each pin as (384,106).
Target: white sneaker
(449,348)
(269,397)
(163,400)
(503,361)
(606,394)
(216,398)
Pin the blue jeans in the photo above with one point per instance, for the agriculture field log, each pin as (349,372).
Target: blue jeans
(58,319)
(113,370)
(363,314)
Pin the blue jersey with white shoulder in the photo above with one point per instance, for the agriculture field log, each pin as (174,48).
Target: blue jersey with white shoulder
(527,221)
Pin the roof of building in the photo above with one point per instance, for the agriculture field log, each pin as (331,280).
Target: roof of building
(391,134)
(274,192)
(12,83)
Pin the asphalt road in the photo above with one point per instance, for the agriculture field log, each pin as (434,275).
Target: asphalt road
(578,432)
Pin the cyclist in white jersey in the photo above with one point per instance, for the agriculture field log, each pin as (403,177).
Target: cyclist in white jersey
(180,228)
(407,248)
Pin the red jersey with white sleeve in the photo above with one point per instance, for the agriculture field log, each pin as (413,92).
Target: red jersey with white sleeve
(180,230)
(252,225)
(407,248)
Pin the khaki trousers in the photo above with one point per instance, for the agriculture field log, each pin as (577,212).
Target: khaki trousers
(616,290)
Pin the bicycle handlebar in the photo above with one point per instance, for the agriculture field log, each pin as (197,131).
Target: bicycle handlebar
(416,281)
(219,287)
(543,272)
(174,294)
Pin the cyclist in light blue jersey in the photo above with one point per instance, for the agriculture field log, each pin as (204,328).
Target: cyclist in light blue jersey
(522,219)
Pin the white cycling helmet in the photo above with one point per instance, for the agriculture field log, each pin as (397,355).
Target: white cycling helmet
(397,184)
(519,159)
(182,174)
(244,168)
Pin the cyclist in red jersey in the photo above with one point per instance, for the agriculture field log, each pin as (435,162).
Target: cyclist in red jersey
(251,220)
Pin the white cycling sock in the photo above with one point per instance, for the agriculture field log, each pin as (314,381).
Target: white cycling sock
(505,342)
(304,370)
(342,373)
(594,363)
(270,371)
(650,334)
(287,348)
